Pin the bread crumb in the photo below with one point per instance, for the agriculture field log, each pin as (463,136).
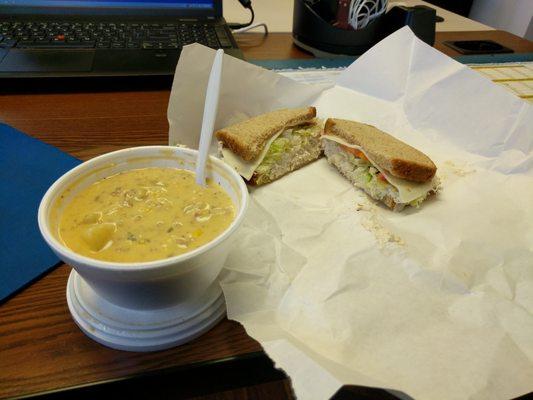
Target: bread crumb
(371,222)
(362,207)
(458,170)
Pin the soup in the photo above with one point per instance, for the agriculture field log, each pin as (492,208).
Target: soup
(144,215)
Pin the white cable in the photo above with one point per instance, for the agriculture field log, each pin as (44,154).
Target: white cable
(262,24)
(362,12)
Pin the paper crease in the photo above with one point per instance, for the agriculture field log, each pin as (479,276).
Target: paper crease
(446,314)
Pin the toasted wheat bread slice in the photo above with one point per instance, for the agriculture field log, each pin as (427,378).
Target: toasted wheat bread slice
(247,138)
(389,153)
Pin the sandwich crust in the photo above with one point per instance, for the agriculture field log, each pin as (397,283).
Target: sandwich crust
(396,157)
(247,138)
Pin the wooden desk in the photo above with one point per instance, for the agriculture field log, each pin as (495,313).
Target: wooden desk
(278,46)
(41,349)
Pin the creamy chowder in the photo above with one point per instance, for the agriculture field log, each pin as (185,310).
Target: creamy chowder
(144,215)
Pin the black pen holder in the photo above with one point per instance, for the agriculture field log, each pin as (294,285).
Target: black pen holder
(312,28)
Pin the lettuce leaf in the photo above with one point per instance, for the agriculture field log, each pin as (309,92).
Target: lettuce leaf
(288,140)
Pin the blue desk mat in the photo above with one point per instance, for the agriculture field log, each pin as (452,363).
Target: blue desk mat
(27,169)
(342,62)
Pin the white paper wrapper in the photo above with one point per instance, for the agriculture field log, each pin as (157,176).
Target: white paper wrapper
(435,302)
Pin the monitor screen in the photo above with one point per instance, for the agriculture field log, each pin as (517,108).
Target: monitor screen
(175,4)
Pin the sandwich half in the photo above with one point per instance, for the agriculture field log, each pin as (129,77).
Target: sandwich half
(268,146)
(387,169)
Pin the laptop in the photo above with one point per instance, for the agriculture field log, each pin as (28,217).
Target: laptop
(72,38)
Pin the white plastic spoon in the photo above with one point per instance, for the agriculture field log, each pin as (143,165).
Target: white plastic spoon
(210,113)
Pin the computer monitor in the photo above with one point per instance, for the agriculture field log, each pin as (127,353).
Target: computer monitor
(191,8)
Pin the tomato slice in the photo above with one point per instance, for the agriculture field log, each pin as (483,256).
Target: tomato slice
(355,152)
(381,177)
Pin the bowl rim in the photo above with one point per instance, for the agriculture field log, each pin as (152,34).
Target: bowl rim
(66,252)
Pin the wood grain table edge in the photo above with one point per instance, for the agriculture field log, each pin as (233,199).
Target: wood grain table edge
(42,349)
(198,368)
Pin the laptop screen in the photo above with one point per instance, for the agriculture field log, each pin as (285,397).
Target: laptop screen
(151,4)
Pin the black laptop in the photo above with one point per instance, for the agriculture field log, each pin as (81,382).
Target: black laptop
(68,38)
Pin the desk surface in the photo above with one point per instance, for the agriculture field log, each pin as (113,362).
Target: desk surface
(41,348)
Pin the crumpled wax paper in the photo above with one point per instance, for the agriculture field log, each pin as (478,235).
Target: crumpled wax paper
(435,302)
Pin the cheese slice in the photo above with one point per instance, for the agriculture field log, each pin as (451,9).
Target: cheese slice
(407,190)
(246,168)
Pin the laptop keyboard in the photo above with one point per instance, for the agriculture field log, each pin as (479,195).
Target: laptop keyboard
(110,35)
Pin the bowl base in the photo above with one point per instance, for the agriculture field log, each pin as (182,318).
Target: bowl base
(141,330)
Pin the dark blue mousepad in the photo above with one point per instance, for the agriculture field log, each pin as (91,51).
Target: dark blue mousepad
(27,169)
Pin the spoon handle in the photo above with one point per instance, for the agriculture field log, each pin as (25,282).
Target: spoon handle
(210,113)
